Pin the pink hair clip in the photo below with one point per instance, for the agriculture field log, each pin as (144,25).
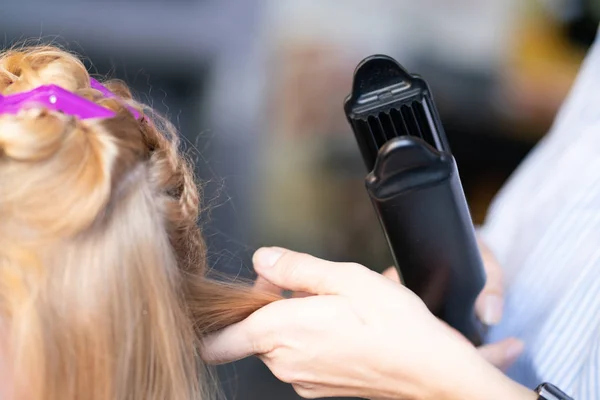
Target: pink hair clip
(56,98)
(107,93)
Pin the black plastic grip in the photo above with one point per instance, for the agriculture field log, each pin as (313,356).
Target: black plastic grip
(417,194)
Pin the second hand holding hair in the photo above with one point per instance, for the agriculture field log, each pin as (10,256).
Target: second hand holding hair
(360,334)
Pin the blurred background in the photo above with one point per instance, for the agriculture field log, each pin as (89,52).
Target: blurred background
(256,88)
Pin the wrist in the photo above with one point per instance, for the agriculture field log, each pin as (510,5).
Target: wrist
(445,368)
(473,378)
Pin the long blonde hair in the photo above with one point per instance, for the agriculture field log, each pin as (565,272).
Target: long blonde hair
(102,264)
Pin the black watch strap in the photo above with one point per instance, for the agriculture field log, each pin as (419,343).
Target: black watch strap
(547,391)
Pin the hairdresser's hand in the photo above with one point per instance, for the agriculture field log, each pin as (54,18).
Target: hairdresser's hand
(338,342)
(489,305)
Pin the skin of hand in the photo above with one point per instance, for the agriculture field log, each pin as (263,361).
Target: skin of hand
(489,308)
(337,342)
(489,305)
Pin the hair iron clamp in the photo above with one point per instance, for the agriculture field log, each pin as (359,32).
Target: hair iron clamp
(56,98)
(415,188)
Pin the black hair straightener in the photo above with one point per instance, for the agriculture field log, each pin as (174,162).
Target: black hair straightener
(415,188)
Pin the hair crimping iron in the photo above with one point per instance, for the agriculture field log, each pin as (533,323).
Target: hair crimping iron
(416,191)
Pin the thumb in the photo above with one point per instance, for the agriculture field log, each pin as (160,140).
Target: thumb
(502,354)
(304,273)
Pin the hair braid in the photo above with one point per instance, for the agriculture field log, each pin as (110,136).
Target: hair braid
(103,281)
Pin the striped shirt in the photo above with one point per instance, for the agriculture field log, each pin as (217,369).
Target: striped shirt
(544,228)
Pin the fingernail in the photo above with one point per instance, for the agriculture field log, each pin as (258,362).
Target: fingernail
(514,351)
(493,310)
(268,256)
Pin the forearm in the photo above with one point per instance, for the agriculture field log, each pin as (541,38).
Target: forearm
(485,382)
(460,374)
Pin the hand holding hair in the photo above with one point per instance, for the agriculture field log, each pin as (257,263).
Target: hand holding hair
(360,334)
(489,305)
(488,308)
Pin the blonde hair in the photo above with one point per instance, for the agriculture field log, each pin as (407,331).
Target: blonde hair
(102,265)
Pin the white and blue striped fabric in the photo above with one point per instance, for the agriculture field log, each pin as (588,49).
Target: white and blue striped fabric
(544,228)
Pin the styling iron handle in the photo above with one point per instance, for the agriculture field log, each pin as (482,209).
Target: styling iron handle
(418,197)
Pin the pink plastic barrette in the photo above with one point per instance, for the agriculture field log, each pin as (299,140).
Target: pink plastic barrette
(56,98)
(107,93)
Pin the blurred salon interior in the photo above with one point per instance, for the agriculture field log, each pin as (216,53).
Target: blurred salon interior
(256,87)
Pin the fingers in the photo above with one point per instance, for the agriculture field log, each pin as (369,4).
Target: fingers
(391,273)
(226,346)
(490,303)
(502,354)
(263,285)
(253,336)
(304,273)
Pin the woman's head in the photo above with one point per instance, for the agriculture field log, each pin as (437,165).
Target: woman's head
(102,286)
